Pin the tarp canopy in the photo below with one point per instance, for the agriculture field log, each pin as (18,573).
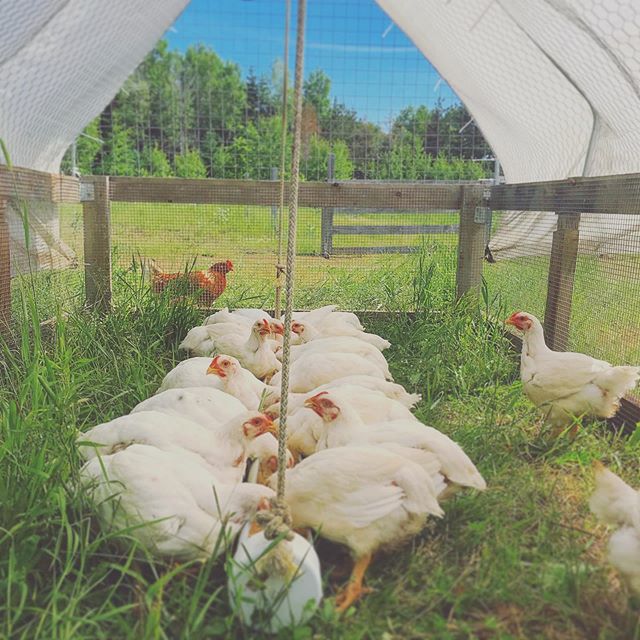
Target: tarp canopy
(61,62)
(555,87)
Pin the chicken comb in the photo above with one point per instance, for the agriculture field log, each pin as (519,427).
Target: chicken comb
(322,393)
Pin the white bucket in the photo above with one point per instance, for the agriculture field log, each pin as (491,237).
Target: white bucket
(275,602)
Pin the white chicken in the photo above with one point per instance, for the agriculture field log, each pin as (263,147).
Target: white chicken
(223,448)
(390,389)
(191,373)
(253,353)
(568,385)
(208,407)
(240,382)
(172,505)
(328,314)
(307,332)
(343,344)
(198,342)
(315,369)
(371,405)
(239,316)
(614,502)
(343,426)
(264,449)
(365,497)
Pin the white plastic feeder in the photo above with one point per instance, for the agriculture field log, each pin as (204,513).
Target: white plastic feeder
(274,602)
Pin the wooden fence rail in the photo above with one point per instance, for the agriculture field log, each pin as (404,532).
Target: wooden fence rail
(568,199)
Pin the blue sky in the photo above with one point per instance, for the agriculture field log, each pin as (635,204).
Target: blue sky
(375,69)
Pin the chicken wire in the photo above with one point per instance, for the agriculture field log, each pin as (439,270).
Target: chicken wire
(595,283)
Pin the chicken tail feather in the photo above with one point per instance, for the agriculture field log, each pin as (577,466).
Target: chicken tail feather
(618,380)
(155,269)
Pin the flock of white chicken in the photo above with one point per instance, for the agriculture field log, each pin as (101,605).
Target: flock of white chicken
(367,473)
(362,470)
(567,386)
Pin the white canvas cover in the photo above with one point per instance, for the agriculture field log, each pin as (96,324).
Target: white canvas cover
(61,62)
(555,87)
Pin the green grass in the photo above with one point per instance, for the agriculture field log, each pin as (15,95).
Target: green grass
(523,560)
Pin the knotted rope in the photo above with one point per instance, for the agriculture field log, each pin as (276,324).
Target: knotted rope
(275,522)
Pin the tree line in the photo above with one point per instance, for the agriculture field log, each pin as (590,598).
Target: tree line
(192,114)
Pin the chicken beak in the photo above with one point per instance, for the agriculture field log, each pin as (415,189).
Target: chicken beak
(278,329)
(270,427)
(310,403)
(265,329)
(215,369)
(511,320)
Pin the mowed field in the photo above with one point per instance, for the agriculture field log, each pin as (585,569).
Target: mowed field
(606,302)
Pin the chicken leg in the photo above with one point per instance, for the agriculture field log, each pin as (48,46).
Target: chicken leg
(354,588)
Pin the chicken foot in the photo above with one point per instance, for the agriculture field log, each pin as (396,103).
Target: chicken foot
(354,589)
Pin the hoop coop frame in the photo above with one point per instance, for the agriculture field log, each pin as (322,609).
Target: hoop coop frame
(431,167)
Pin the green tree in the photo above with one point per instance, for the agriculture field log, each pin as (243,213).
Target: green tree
(217,93)
(316,164)
(154,162)
(87,149)
(255,151)
(190,165)
(260,101)
(120,158)
(316,90)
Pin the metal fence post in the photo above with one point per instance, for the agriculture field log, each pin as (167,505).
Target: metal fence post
(326,226)
(562,269)
(96,214)
(473,213)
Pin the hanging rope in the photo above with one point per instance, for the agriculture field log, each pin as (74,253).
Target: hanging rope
(279,521)
(291,249)
(283,155)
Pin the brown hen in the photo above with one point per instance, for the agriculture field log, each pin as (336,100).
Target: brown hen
(211,282)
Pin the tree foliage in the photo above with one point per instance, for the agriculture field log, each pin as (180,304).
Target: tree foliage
(192,114)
